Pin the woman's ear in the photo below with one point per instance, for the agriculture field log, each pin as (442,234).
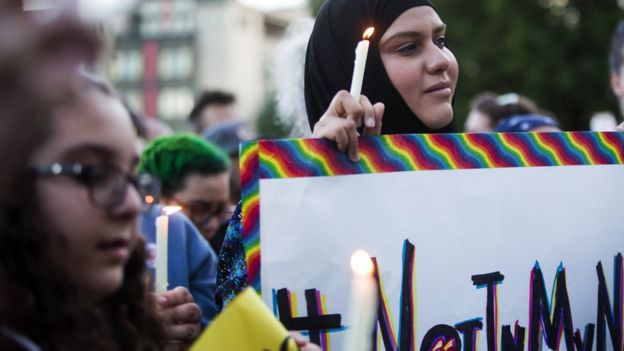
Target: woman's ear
(617,85)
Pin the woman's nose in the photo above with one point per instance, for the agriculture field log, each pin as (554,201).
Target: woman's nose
(438,60)
(132,204)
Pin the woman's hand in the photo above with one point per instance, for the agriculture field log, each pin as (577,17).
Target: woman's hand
(181,316)
(342,119)
(302,343)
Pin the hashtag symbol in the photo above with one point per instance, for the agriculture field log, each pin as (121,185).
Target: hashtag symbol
(314,323)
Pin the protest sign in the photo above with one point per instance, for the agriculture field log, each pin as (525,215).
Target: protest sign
(481,241)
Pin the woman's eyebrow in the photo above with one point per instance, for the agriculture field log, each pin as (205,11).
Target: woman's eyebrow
(439,29)
(89,149)
(413,34)
(400,35)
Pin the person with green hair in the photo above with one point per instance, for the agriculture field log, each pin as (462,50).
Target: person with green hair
(194,175)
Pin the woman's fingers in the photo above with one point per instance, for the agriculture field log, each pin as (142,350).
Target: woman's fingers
(342,119)
(175,297)
(352,147)
(185,313)
(303,343)
(368,112)
(182,332)
(345,105)
(378,111)
(342,131)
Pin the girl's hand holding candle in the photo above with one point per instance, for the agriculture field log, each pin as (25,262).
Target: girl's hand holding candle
(363,303)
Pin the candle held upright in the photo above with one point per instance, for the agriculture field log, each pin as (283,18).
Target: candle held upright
(362,304)
(162,246)
(361,54)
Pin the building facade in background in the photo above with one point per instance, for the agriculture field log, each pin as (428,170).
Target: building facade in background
(168,50)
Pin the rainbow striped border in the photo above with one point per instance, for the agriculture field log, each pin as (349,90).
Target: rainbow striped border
(274,159)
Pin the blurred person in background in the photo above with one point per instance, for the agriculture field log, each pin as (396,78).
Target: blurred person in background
(147,128)
(616,64)
(536,123)
(508,113)
(194,174)
(212,107)
(479,119)
(228,136)
(516,113)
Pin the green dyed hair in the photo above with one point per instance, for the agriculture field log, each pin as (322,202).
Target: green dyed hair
(171,158)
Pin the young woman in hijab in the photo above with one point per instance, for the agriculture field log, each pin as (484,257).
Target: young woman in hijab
(410,71)
(410,74)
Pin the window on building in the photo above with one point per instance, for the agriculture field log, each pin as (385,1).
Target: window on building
(134,98)
(175,62)
(175,103)
(167,18)
(127,65)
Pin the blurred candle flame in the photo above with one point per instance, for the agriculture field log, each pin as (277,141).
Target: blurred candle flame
(361,263)
(169,210)
(368,33)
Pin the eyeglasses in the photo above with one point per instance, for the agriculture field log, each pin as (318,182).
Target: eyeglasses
(202,212)
(107,186)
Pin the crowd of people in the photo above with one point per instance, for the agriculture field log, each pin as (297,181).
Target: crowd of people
(79,198)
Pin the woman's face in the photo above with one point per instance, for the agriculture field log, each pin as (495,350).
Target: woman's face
(91,245)
(420,66)
(204,199)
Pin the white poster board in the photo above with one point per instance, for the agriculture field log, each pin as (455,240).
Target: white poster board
(535,233)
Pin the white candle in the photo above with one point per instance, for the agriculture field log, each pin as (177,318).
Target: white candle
(361,53)
(363,304)
(162,245)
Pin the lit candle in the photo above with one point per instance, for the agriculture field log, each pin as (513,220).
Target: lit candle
(361,53)
(363,304)
(162,245)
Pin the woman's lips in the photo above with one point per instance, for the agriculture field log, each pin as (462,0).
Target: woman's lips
(118,249)
(442,89)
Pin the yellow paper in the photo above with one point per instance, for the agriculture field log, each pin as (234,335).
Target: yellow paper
(246,324)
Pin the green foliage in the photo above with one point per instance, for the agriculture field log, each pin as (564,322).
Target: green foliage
(315,5)
(267,125)
(552,51)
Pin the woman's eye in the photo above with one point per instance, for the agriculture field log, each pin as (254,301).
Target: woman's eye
(440,42)
(407,48)
(100,176)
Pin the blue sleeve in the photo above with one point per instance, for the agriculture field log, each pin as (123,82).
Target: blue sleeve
(202,263)
(192,262)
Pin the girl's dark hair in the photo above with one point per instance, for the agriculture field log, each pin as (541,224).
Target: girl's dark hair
(36,299)
(503,106)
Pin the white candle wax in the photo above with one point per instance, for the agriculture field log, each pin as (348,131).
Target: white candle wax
(361,54)
(162,244)
(363,304)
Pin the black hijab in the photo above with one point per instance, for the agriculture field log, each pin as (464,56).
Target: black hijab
(331,54)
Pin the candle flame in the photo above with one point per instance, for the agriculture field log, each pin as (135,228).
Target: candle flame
(361,263)
(149,199)
(368,33)
(169,210)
